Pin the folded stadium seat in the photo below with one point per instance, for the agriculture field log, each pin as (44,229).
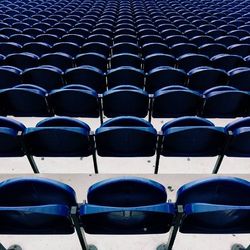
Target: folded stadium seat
(93,59)
(56,31)
(227,61)
(10,31)
(245,40)
(239,33)
(96,47)
(75,100)
(21,38)
(22,60)
(125,38)
(225,102)
(7,48)
(120,48)
(238,78)
(63,26)
(9,76)
(216,33)
(204,77)
(212,49)
(100,38)
(215,205)
(190,61)
(125,59)
(146,39)
(36,206)
(3,38)
(73,38)
(30,21)
(125,75)
(158,59)
(201,40)
(33,32)
(164,76)
(180,49)
(193,32)
(115,101)
(10,142)
(46,76)
(146,207)
(24,100)
(58,59)
(79,31)
(60,137)
(172,40)
(227,40)
(144,32)
(47,38)
(245,27)
(37,48)
(185,27)
(168,102)
(126,136)
(43,26)
(152,48)
(69,48)
(190,136)
(170,32)
(86,75)
(50,21)
(239,49)
(103,31)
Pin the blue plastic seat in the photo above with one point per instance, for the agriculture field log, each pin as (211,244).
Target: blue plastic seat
(131,48)
(239,49)
(153,48)
(125,38)
(59,137)
(37,48)
(36,206)
(125,75)
(225,102)
(9,76)
(48,39)
(227,40)
(227,61)
(69,48)
(86,75)
(75,100)
(125,59)
(58,59)
(143,202)
(10,142)
(168,102)
(24,100)
(115,101)
(21,38)
(126,136)
(96,47)
(237,78)
(93,59)
(212,49)
(239,144)
(7,48)
(203,78)
(164,76)
(22,60)
(73,38)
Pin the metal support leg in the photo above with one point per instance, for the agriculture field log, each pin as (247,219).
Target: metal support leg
(33,164)
(173,231)
(94,152)
(100,96)
(150,107)
(79,232)
(158,152)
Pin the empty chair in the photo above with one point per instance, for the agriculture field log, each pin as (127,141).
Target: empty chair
(58,59)
(93,59)
(86,75)
(146,39)
(7,48)
(46,76)
(36,206)
(212,49)
(56,31)
(75,100)
(239,49)
(125,75)
(47,38)
(227,40)
(239,143)
(10,142)
(164,76)
(145,202)
(158,59)
(192,137)
(125,38)
(183,48)
(24,100)
(176,101)
(37,48)
(203,78)
(21,38)
(225,102)
(22,60)
(69,48)
(9,76)
(227,61)
(33,32)
(238,78)
(131,48)
(125,59)
(126,136)
(215,205)
(152,48)
(190,61)
(175,39)
(96,47)
(115,101)
(73,38)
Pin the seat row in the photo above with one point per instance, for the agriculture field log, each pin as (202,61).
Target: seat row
(63,61)
(82,101)
(125,137)
(125,205)
(50,77)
